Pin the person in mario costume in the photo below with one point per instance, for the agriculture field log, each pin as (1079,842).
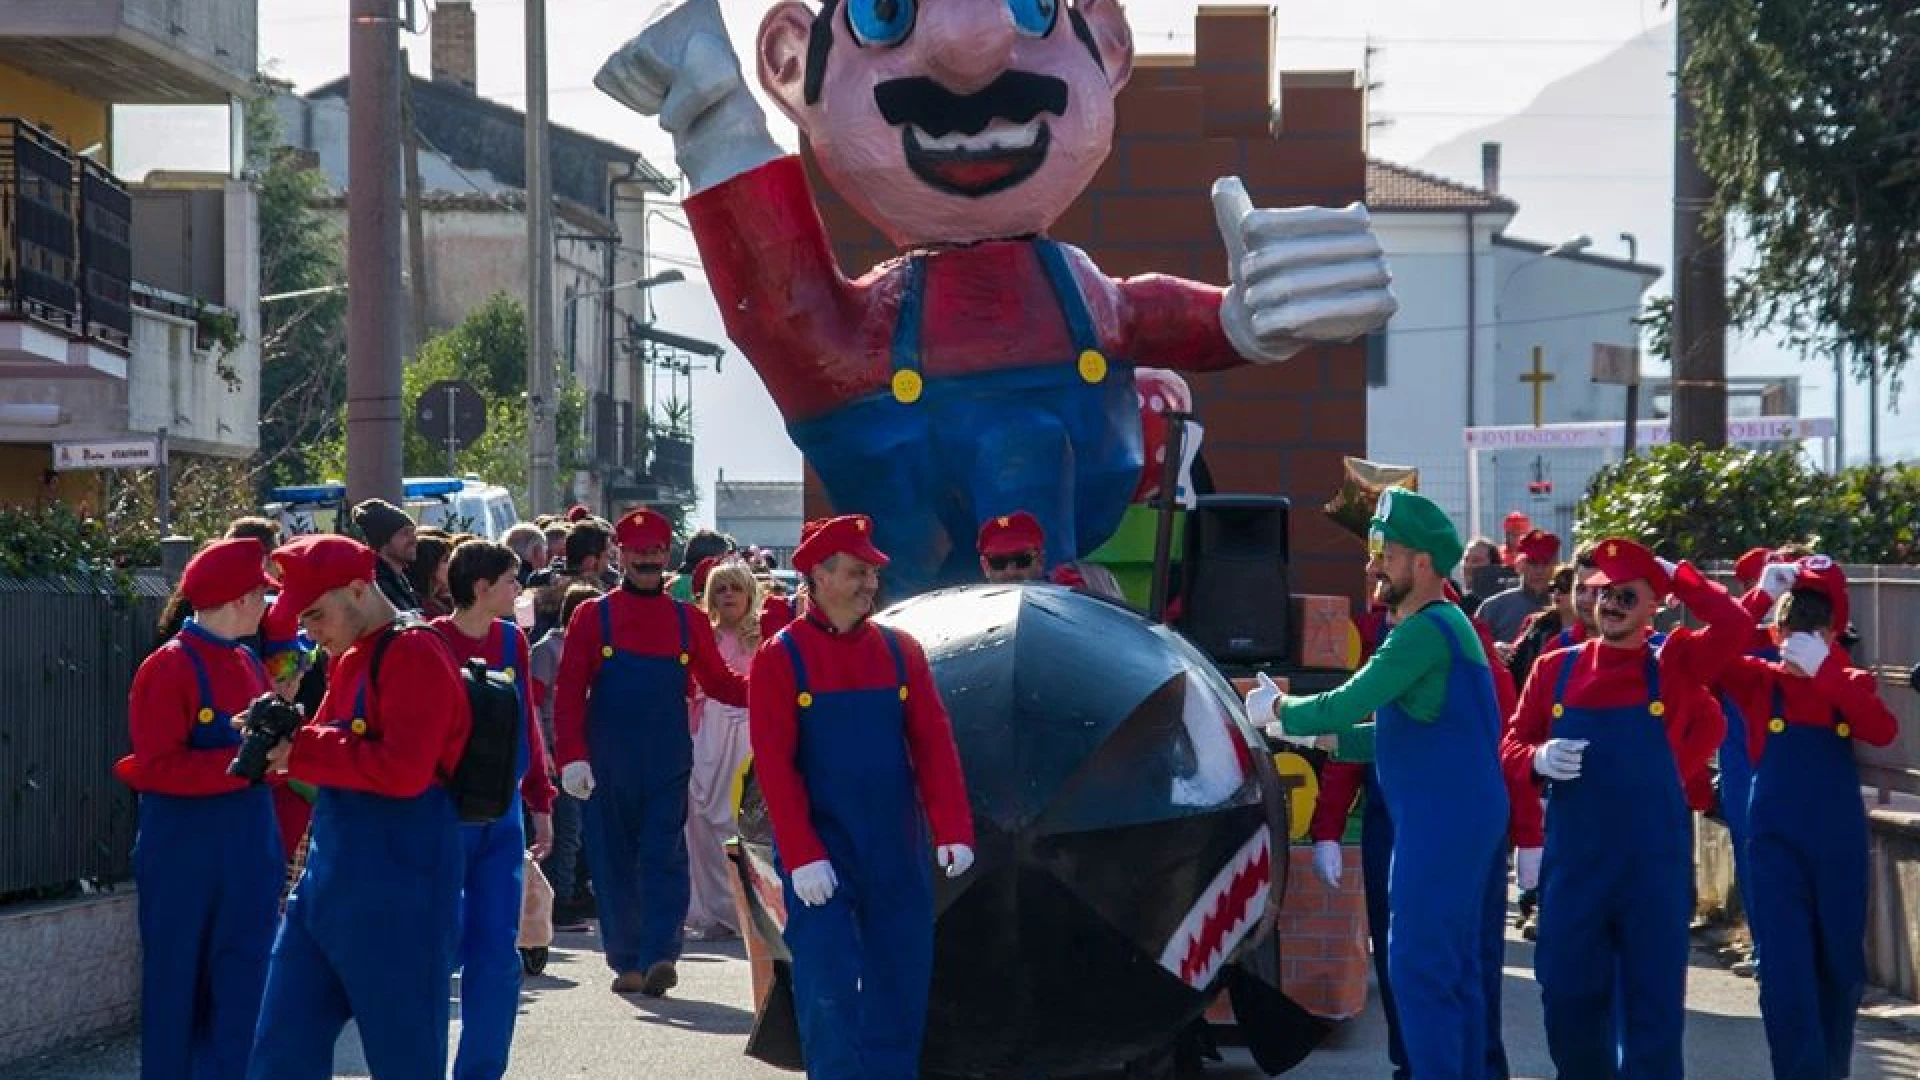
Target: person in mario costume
(1615,725)
(989,368)
(1012,549)
(207,858)
(855,756)
(621,735)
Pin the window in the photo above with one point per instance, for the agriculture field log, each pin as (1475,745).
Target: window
(1377,358)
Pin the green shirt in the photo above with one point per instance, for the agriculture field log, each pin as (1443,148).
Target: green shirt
(1409,668)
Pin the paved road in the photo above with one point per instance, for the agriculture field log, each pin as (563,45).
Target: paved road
(571,1027)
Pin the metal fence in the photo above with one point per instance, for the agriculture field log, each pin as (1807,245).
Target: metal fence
(1886,611)
(68,651)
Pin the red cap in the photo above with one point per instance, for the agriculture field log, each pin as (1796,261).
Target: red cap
(576,512)
(1069,575)
(643,529)
(282,623)
(700,573)
(1010,534)
(1617,561)
(850,534)
(1820,574)
(1750,566)
(1517,522)
(312,566)
(224,571)
(1540,547)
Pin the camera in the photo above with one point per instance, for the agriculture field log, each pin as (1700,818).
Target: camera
(270,721)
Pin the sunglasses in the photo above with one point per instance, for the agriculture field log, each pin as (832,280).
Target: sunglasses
(1618,597)
(1022,561)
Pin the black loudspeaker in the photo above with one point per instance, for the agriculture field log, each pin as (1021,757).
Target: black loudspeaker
(1236,605)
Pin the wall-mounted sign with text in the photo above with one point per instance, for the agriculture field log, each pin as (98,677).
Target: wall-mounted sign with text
(115,454)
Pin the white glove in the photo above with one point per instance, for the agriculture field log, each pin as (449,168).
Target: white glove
(955,859)
(1559,759)
(1804,652)
(1667,566)
(1778,578)
(682,69)
(1526,867)
(815,882)
(1261,699)
(1328,862)
(576,779)
(1303,276)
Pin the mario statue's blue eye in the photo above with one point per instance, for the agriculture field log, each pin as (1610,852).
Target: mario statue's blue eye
(1034,17)
(880,22)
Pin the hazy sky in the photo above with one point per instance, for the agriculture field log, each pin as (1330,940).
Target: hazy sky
(1443,69)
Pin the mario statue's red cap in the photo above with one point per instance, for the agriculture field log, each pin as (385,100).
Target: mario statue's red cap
(643,530)
(850,534)
(1011,534)
(313,566)
(1617,560)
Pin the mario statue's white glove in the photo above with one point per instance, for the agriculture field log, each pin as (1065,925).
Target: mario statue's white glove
(682,69)
(576,779)
(815,883)
(1304,276)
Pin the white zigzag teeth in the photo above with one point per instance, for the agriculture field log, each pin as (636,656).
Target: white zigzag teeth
(1232,905)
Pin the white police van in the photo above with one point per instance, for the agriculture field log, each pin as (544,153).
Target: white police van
(456,504)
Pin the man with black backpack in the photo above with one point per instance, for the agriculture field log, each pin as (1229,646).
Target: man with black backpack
(369,931)
(484,580)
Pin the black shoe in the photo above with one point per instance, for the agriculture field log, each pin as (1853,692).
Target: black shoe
(568,920)
(660,978)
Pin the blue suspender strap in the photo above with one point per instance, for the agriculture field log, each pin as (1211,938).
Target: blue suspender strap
(1654,704)
(904,354)
(606,624)
(1088,359)
(799,668)
(1453,643)
(899,660)
(203,713)
(1566,672)
(680,610)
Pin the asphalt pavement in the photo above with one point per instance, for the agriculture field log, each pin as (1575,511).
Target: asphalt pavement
(571,1026)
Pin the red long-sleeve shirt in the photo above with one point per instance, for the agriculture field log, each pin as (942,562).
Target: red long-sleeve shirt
(413,731)
(820,341)
(165,704)
(775,613)
(1838,687)
(536,787)
(1606,677)
(644,624)
(856,660)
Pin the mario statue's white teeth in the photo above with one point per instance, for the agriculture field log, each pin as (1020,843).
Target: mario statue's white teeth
(999,135)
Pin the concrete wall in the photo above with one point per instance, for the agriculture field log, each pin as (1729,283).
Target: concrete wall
(67,971)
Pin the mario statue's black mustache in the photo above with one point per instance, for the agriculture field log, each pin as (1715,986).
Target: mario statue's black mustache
(1016,97)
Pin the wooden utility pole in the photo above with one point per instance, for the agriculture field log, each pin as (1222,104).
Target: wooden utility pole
(543,467)
(416,232)
(373,253)
(1700,278)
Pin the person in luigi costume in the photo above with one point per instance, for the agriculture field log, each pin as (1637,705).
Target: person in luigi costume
(1435,741)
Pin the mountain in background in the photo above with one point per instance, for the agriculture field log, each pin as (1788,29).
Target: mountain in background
(1593,154)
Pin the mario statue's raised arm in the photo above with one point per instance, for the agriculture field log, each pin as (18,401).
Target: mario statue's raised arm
(962,129)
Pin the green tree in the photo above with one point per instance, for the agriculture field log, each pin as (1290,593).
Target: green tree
(488,349)
(303,365)
(1807,114)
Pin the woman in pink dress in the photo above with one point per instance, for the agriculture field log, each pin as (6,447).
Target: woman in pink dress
(732,599)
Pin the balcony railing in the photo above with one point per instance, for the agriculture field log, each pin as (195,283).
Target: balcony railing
(65,239)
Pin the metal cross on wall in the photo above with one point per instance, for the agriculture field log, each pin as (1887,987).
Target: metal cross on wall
(1539,377)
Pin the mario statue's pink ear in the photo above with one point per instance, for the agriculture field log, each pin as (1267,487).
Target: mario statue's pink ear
(1112,38)
(782,53)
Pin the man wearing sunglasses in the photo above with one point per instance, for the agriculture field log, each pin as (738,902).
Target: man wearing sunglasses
(1615,725)
(1435,745)
(1010,549)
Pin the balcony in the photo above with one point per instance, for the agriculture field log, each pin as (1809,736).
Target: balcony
(65,260)
(137,52)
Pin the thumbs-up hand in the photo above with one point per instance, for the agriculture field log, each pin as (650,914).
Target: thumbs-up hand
(1260,701)
(1303,276)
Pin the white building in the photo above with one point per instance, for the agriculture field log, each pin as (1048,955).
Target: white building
(763,513)
(1476,308)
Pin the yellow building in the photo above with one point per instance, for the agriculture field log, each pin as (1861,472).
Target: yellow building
(105,285)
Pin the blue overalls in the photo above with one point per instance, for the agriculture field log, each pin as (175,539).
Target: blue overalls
(642,753)
(1376,861)
(1736,788)
(863,961)
(370,934)
(209,870)
(1616,894)
(1442,783)
(934,457)
(1809,910)
(488,957)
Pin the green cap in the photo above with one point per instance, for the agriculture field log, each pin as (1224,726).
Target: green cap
(1413,520)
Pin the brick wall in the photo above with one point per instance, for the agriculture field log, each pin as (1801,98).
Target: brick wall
(1182,123)
(1324,965)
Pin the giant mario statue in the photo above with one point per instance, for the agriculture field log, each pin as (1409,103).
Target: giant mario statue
(988,368)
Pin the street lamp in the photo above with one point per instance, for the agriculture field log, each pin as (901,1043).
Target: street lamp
(664,277)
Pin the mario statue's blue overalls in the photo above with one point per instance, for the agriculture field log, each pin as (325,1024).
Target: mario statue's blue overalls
(207,858)
(370,930)
(850,739)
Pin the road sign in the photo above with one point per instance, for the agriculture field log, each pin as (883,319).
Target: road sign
(1616,365)
(114,454)
(452,414)
(1758,430)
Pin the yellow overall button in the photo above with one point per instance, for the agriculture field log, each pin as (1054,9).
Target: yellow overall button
(1559,711)
(907,386)
(806,700)
(685,659)
(606,652)
(1776,725)
(1843,729)
(903,693)
(206,716)
(359,726)
(1093,366)
(1658,708)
